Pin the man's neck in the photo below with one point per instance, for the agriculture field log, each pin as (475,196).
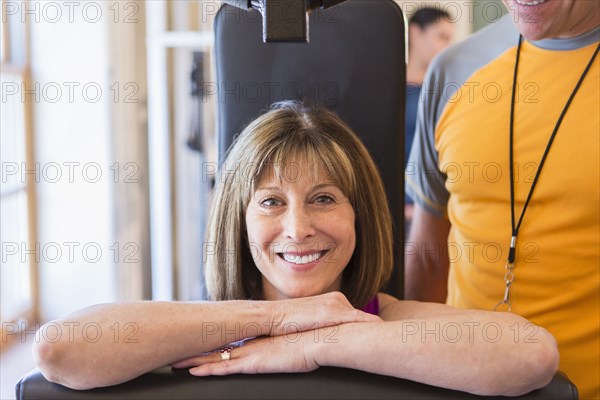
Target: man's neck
(570,43)
(415,73)
(581,29)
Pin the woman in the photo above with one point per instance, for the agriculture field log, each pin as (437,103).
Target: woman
(299,238)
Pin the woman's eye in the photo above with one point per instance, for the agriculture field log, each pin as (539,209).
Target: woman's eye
(270,202)
(324,199)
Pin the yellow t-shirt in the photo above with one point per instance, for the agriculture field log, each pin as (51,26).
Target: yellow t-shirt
(557,278)
(557,269)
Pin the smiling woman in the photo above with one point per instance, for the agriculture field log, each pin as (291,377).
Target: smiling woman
(300,239)
(297,190)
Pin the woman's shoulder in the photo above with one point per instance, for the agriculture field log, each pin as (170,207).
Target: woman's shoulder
(391,308)
(384,299)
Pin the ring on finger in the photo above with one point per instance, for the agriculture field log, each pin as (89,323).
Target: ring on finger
(226,353)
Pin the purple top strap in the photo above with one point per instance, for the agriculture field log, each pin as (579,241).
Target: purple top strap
(372,307)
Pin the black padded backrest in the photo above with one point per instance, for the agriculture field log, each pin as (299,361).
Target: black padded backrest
(354,65)
(324,383)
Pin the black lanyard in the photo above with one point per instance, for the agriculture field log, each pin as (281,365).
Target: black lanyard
(509,276)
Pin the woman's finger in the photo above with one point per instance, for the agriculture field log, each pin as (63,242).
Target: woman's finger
(212,357)
(192,361)
(218,368)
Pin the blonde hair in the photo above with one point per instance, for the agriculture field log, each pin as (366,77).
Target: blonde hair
(288,130)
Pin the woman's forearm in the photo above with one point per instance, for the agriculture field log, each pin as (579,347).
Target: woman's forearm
(111,343)
(504,355)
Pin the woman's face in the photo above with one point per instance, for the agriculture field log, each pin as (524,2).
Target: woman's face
(301,232)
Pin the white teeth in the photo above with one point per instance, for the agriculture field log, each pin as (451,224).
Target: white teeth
(532,3)
(295,259)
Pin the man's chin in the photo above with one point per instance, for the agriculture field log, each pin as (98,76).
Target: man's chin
(533,32)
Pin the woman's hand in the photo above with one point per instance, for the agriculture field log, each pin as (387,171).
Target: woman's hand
(297,325)
(287,353)
(310,313)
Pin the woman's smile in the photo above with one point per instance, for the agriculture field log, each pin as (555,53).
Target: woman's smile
(302,258)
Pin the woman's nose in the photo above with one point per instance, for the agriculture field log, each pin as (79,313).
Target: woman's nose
(298,223)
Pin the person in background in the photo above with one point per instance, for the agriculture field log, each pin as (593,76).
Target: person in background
(429,32)
(299,242)
(505,176)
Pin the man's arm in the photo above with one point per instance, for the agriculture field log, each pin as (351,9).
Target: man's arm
(426,255)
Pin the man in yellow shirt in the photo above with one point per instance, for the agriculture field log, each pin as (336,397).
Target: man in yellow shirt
(524,239)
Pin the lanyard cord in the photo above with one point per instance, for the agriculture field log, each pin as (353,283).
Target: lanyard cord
(510,264)
(515,228)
